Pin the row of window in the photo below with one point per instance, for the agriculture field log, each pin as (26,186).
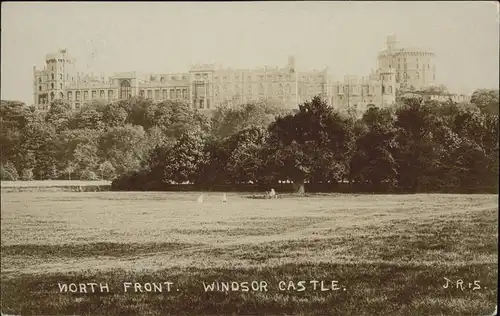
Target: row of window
(406,76)
(42,99)
(162,79)
(78,95)
(52,76)
(52,86)
(279,88)
(174,94)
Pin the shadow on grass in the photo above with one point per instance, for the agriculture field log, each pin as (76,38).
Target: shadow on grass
(90,249)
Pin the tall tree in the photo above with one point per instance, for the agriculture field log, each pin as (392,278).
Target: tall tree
(373,161)
(125,147)
(315,140)
(186,158)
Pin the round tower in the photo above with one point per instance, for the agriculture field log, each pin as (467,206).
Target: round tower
(414,67)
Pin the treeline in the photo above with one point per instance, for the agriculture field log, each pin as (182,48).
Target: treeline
(414,147)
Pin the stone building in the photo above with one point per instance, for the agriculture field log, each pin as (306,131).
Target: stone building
(414,67)
(206,86)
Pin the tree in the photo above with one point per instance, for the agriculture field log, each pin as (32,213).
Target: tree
(85,156)
(246,161)
(314,141)
(373,161)
(59,115)
(88,117)
(125,147)
(107,170)
(9,172)
(70,168)
(114,115)
(27,174)
(227,121)
(487,100)
(184,160)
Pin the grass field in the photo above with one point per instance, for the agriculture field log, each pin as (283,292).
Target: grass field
(389,253)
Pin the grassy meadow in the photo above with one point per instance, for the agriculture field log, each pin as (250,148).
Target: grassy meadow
(389,253)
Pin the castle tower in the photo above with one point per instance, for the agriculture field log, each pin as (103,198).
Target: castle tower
(50,83)
(391,42)
(388,86)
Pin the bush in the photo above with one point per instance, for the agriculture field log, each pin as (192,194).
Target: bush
(6,175)
(11,170)
(137,181)
(88,175)
(27,174)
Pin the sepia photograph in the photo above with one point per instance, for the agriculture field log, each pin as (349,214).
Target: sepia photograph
(249,158)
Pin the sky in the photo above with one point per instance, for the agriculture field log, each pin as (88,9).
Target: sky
(170,37)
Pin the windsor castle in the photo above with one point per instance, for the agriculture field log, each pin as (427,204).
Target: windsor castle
(206,86)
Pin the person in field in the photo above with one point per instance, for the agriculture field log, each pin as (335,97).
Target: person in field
(224,198)
(272,194)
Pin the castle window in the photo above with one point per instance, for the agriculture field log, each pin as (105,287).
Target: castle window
(185,94)
(125,90)
(165,94)
(150,94)
(61,95)
(52,85)
(39,88)
(201,104)
(70,95)
(124,94)
(39,80)
(77,95)
(157,94)
(208,104)
(52,76)
(94,94)
(162,79)
(60,85)
(178,94)
(141,93)
(172,94)
(280,89)
(77,105)
(417,75)
(85,95)
(51,96)
(61,76)
(102,94)
(390,89)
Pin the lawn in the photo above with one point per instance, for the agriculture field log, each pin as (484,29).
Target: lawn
(390,254)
